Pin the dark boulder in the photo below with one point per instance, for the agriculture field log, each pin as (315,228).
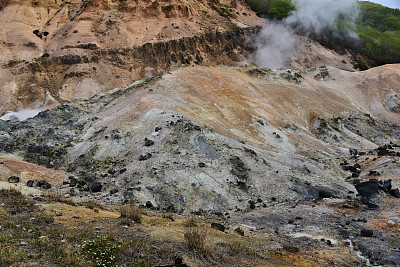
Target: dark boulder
(202,164)
(395,193)
(387,185)
(149,205)
(148,142)
(111,171)
(30,183)
(369,189)
(13,179)
(384,151)
(96,187)
(367,233)
(218,226)
(325,192)
(353,151)
(356,168)
(252,204)
(43,184)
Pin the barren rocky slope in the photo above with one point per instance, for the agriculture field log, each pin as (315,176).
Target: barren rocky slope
(282,154)
(229,139)
(252,131)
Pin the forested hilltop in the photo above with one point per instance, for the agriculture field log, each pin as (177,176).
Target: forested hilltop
(377,26)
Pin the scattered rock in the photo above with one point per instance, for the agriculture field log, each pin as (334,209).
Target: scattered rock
(373,173)
(59,213)
(148,142)
(157,129)
(111,171)
(96,187)
(218,226)
(13,179)
(202,164)
(353,151)
(30,183)
(356,168)
(145,156)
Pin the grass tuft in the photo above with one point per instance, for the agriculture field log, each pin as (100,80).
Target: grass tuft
(130,211)
(196,238)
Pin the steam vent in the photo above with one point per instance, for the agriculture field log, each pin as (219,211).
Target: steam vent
(199,133)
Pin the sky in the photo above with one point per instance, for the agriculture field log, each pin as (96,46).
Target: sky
(389,3)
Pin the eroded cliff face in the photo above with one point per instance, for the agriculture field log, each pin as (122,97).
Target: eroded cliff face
(54,51)
(67,77)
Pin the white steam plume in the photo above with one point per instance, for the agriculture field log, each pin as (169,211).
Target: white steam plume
(316,16)
(277,41)
(274,44)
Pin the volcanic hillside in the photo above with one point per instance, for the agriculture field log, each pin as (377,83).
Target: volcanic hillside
(156,103)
